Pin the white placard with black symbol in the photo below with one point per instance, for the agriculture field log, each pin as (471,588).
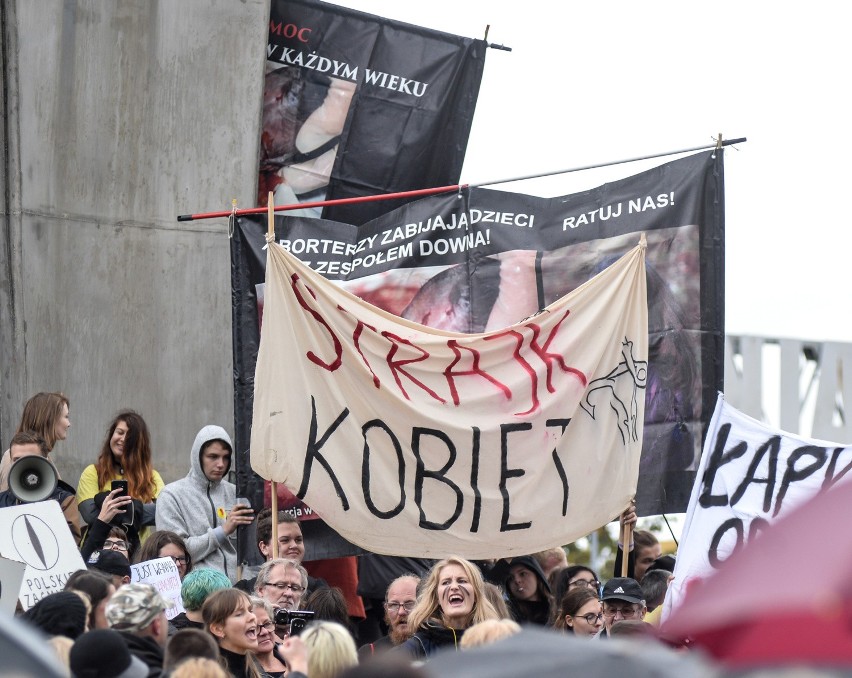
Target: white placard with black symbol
(38,536)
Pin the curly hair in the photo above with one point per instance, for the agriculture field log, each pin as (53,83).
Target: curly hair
(429,607)
(136,460)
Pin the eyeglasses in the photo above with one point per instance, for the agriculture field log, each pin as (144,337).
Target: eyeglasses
(626,612)
(115,545)
(393,608)
(281,586)
(180,560)
(591,583)
(268,626)
(590,618)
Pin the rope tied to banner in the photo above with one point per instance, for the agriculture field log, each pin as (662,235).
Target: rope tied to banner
(232,219)
(270,215)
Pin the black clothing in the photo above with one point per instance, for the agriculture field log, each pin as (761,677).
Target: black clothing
(375,572)
(430,637)
(94,539)
(631,561)
(528,612)
(379,646)
(181,621)
(237,663)
(147,650)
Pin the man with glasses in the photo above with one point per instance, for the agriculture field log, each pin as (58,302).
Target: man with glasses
(622,599)
(399,602)
(282,582)
(291,546)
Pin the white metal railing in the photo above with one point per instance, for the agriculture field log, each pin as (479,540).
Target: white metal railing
(793,384)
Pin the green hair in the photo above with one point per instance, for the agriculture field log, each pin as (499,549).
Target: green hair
(199,584)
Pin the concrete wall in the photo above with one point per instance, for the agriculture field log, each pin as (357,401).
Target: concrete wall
(117,117)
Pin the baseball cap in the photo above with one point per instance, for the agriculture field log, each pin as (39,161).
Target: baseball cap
(623,588)
(102,653)
(135,606)
(111,562)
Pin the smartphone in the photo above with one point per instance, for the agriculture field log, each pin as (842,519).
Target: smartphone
(120,485)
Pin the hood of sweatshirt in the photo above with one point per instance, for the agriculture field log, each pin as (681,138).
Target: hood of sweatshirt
(205,435)
(532,565)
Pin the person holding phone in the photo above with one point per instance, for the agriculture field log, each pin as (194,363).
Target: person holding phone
(124,459)
(202,508)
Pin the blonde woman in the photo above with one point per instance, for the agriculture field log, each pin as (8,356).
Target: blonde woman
(330,648)
(452,599)
(199,667)
(489,631)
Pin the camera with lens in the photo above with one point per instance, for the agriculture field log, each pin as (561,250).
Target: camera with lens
(297,620)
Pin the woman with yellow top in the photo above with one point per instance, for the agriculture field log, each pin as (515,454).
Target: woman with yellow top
(125,455)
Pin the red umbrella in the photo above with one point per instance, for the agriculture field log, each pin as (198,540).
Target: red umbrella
(785,597)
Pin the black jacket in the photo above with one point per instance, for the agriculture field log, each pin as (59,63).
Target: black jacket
(378,646)
(146,649)
(430,637)
(530,612)
(237,663)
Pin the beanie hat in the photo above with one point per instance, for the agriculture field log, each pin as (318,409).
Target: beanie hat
(662,563)
(59,614)
(111,562)
(135,606)
(102,653)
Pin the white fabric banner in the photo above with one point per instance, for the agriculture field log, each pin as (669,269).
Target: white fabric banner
(413,441)
(750,475)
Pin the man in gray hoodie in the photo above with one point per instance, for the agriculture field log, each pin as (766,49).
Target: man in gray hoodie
(201,507)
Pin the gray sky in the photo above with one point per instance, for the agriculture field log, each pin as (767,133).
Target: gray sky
(594,82)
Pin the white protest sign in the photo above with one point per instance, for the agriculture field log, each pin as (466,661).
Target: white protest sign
(37,535)
(163,575)
(749,476)
(11,576)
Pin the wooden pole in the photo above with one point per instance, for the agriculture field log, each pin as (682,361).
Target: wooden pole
(270,230)
(626,539)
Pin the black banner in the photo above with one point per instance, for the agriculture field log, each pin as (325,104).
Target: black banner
(481,259)
(355,104)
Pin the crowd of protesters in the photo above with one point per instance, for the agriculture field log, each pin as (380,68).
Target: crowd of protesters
(283,621)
